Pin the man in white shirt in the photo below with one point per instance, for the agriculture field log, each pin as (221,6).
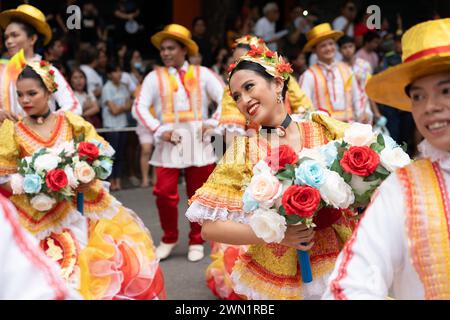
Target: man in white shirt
(328,83)
(344,22)
(88,63)
(401,248)
(180,94)
(265,27)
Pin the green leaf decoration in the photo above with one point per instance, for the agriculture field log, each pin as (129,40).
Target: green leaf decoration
(293,218)
(372,177)
(336,166)
(381,170)
(380,140)
(347,177)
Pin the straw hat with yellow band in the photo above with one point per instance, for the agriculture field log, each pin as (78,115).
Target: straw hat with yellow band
(426,51)
(320,33)
(176,32)
(30,15)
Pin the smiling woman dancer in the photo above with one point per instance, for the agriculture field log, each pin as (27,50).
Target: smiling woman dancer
(267,270)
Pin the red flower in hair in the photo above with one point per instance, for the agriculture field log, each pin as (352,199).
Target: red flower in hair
(249,37)
(261,40)
(42,63)
(255,51)
(270,54)
(284,67)
(231,67)
(51,72)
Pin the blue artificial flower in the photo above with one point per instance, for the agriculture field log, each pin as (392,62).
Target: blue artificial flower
(310,173)
(32,183)
(106,169)
(250,204)
(329,152)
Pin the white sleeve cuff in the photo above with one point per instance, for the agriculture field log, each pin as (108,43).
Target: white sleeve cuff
(159,132)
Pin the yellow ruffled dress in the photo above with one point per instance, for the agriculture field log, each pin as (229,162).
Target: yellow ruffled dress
(269,271)
(106,253)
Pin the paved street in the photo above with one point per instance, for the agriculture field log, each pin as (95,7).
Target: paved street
(184,280)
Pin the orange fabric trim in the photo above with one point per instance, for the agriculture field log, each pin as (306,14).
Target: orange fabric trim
(49,142)
(427,224)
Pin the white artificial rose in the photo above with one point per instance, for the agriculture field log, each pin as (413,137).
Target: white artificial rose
(268,225)
(84,172)
(360,186)
(359,135)
(313,154)
(17,183)
(393,159)
(261,167)
(46,162)
(73,182)
(67,146)
(336,192)
(96,163)
(42,202)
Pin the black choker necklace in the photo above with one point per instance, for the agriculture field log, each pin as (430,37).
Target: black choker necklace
(281,129)
(40,118)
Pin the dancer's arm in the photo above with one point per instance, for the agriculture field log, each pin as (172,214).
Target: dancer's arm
(237,233)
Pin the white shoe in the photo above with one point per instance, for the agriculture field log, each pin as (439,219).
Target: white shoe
(195,252)
(164,250)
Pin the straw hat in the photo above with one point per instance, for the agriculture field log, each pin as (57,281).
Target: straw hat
(30,15)
(176,32)
(319,33)
(426,51)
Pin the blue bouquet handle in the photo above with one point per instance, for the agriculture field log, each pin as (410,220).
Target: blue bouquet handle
(80,202)
(305,266)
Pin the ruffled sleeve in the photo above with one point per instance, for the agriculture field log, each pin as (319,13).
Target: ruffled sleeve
(9,149)
(220,198)
(334,129)
(81,126)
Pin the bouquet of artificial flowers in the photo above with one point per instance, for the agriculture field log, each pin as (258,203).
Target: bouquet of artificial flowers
(53,174)
(289,188)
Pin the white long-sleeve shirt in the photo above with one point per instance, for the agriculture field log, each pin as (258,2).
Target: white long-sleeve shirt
(192,151)
(377,262)
(64,96)
(332,93)
(25,272)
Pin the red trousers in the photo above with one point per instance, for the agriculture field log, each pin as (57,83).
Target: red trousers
(167,198)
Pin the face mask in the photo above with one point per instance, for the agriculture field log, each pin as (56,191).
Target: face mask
(138,66)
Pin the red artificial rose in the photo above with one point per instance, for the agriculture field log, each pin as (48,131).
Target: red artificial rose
(302,201)
(361,161)
(279,157)
(56,179)
(89,150)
